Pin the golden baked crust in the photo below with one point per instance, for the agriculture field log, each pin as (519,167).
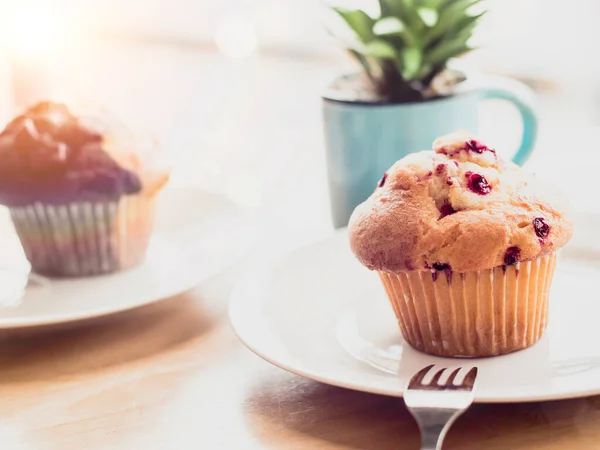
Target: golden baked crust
(460,208)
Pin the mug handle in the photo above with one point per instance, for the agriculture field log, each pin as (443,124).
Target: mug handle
(522,97)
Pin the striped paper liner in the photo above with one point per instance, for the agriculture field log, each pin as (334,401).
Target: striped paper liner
(474,314)
(87,238)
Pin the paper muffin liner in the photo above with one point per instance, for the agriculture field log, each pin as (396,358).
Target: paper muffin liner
(86,238)
(473,314)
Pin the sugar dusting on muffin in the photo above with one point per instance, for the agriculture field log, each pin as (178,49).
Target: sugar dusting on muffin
(459,206)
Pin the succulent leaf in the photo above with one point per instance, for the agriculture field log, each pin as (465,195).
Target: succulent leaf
(381,49)
(359,21)
(409,44)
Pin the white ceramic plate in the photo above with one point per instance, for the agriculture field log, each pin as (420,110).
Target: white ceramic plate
(320,314)
(197,235)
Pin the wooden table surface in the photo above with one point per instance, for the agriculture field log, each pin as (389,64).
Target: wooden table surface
(174,376)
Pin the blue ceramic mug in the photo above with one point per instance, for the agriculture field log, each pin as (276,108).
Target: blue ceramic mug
(363,140)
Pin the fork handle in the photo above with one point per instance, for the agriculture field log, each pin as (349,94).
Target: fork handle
(434,424)
(432,437)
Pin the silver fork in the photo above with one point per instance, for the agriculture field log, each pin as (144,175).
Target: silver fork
(435,405)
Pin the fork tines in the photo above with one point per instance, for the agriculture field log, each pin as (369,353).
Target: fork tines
(417,381)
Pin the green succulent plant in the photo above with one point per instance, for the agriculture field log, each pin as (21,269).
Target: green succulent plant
(404,49)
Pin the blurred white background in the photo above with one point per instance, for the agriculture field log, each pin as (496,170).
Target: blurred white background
(525,36)
(231,87)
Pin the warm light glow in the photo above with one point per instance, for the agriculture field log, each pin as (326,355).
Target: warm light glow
(32,29)
(236,37)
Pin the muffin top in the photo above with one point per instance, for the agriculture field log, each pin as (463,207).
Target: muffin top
(459,207)
(48,155)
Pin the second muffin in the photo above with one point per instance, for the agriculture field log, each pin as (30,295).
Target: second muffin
(78,207)
(465,248)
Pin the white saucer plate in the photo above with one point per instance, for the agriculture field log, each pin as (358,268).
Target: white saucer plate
(320,314)
(197,234)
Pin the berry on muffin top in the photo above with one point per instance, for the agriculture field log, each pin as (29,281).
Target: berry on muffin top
(47,155)
(460,207)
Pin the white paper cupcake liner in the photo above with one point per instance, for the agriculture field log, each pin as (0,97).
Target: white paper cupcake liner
(87,238)
(473,314)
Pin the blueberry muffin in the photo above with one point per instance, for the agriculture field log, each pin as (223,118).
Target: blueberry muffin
(465,245)
(80,205)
